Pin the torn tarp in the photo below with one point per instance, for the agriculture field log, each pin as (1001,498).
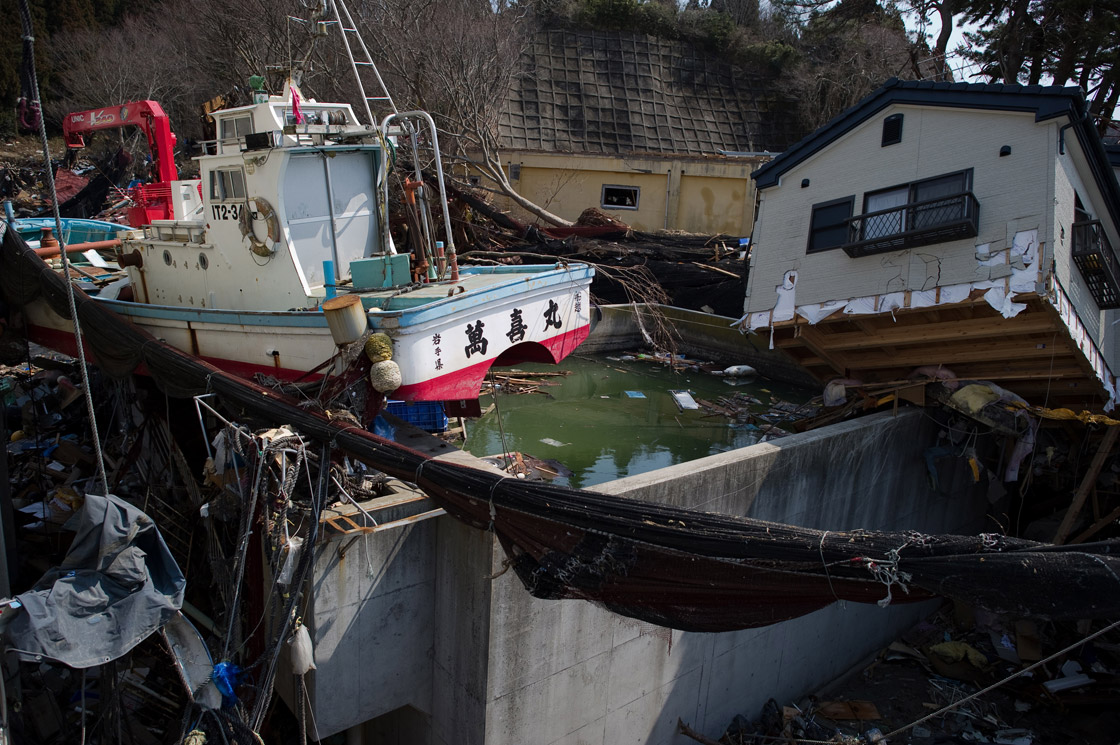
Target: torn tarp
(117,585)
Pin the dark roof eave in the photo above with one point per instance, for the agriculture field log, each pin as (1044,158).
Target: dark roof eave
(1045,102)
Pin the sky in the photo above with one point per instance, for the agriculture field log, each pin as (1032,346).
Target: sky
(962,70)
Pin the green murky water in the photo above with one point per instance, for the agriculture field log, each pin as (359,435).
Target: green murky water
(594,425)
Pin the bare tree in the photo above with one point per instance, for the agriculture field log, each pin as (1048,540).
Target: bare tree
(457,59)
(146,57)
(845,62)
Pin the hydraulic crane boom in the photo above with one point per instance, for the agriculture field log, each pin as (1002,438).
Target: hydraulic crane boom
(151,202)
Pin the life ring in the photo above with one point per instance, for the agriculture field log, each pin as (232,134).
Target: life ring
(264,210)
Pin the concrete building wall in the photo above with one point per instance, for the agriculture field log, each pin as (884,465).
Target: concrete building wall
(480,661)
(713,204)
(1012,192)
(699,195)
(702,335)
(564,673)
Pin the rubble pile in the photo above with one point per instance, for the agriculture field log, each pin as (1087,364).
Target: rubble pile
(961,676)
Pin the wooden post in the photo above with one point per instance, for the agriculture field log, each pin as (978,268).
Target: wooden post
(1096,527)
(1087,484)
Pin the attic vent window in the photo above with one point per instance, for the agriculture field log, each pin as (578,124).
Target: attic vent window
(620,197)
(892,130)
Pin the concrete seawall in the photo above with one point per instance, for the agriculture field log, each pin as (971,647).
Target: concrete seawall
(702,335)
(420,631)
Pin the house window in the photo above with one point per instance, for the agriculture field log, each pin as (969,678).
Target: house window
(620,197)
(828,227)
(892,130)
(932,202)
(1080,214)
(227,185)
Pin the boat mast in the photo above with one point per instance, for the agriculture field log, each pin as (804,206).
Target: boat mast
(405,123)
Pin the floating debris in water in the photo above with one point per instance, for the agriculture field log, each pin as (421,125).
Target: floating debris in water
(684,400)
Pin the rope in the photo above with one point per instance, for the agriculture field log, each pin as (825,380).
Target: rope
(498,418)
(886,570)
(828,576)
(260,706)
(1008,679)
(29,39)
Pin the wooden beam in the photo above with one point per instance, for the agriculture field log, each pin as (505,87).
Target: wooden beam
(970,329)
(1099,525)
(813,341)
(958,353)
(1086,484)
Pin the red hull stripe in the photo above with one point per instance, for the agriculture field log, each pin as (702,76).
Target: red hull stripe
(461,384)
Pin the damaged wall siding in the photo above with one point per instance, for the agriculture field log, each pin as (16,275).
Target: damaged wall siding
(1068,182)
(1012,192)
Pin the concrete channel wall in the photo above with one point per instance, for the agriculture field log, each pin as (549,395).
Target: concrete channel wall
(421,635)
(702,335)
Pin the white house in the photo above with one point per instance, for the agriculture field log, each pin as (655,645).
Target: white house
(964,225)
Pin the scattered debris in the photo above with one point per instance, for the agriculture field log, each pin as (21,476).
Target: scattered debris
(900,697)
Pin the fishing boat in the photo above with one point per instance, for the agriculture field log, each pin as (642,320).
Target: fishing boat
(287,221)
(74,230)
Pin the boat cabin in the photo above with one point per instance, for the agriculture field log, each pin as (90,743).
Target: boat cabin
(287,200)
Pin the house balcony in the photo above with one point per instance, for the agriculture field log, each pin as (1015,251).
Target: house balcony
(913,224)
(1095,259)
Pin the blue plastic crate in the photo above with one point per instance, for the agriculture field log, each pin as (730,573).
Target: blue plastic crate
(427,415)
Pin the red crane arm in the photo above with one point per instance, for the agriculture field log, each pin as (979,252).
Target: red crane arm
(147,115)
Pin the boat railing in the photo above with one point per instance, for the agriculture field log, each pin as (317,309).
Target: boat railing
(407,120)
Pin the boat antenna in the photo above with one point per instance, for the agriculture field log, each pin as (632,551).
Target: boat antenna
(29,45)
(318,31)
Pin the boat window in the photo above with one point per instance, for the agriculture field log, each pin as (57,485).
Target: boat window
(620,197)
(828,227)
(307,116)
(234,128)
(227,184)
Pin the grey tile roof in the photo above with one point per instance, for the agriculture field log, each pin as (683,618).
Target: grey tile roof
(617,92)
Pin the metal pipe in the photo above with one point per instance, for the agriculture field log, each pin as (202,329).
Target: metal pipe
(335,265)
(409,520)
(328,279)
(52,251)
(439,164)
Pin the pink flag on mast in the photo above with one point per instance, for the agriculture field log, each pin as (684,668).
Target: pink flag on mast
(295,105)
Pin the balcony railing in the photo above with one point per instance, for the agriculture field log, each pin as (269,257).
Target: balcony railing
(914,224)
(1093,254)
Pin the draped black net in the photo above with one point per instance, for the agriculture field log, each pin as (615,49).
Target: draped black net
(674,567)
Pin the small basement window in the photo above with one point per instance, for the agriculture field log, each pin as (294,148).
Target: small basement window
(227,185)
(828,227)
(892,130)
(620,197)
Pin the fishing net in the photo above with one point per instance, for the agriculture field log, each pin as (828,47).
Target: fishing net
(674,567)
